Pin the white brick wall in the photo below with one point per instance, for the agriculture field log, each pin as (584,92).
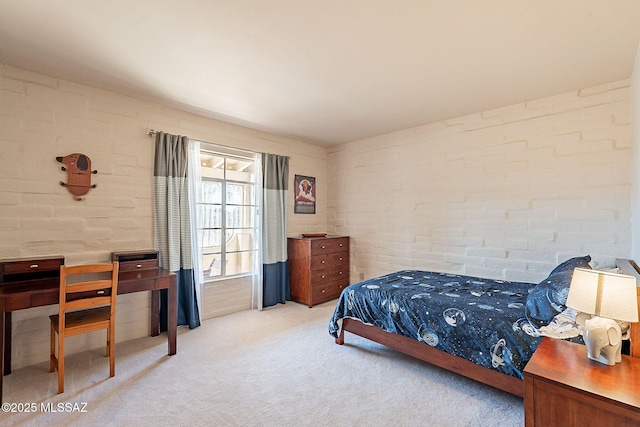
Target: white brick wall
(506,193)
(635,164)
(43,117)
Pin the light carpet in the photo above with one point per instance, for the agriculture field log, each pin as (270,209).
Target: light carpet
(278,367)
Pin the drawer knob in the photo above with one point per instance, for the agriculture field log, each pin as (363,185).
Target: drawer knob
(323,246)
(340,244)
(322,262)
(323,276)
(34,266)
(340,258)
(341,272)
(323,291)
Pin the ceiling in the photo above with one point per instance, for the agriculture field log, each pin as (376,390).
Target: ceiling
(327,71)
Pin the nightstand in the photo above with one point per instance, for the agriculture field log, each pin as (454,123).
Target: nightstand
(562,387)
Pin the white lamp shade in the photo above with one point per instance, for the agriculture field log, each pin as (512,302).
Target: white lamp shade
(609,295)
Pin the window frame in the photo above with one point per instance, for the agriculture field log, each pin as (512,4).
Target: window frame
(251,205)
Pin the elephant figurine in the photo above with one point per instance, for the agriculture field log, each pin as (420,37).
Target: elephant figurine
(603,339)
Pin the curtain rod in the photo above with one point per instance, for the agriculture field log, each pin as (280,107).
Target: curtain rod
(248,153)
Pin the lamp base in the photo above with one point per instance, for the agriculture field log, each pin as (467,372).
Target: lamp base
(603,339)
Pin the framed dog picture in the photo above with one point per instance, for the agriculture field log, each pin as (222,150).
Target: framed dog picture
(305,194)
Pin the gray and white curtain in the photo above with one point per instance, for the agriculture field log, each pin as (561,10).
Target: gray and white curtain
(275,271)
(172,224)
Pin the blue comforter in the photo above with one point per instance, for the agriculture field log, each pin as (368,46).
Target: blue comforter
(480,320)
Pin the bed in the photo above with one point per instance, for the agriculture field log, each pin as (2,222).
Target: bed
(484,329)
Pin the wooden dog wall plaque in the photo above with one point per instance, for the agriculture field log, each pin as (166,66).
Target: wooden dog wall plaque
(78,168)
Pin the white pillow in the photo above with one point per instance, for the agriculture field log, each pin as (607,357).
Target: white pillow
(563,325)
(570,324)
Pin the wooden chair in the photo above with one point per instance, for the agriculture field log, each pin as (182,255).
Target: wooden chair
(87,303)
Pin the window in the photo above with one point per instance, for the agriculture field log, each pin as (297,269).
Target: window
(227,207)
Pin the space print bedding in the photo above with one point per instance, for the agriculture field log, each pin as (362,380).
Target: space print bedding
(492,323)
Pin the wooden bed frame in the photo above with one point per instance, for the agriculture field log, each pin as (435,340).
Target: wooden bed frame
(462,366)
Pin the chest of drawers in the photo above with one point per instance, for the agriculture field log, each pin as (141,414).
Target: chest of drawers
(318,268)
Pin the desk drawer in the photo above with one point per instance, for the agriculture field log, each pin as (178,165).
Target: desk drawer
(138,265)
(128,287)
(29,269)
(17,302)
(38,300)
(136,260)
(31,266)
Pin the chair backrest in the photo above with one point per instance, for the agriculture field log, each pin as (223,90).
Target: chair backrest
(87,286)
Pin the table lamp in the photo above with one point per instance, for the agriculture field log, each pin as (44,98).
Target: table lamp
(609,298)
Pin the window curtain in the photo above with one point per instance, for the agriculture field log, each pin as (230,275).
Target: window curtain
(275,271)
(195,191)
(256,265)
(172,224)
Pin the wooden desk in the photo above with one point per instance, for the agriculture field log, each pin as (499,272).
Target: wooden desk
(562,387)
(40,292)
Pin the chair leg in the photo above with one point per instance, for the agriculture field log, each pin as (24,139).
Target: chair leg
(52,353)
(60,363)
(111,349)
(108,341)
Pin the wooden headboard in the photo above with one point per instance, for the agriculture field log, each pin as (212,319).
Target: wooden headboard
(629,267)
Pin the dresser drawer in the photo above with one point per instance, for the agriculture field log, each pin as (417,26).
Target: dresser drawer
(326,246)
(328,291)
(337,259)
(329,275)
